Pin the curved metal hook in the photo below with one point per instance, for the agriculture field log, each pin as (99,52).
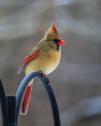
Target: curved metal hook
(49,90)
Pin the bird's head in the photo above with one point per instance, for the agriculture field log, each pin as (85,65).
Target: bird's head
(52,37)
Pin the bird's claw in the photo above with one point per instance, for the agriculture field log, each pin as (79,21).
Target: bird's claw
(44,76)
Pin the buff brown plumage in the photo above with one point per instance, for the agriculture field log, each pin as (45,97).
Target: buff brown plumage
(44,57)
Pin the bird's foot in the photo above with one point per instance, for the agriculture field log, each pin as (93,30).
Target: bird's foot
(44,76)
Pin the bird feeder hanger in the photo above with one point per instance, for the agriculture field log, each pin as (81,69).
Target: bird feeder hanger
(10,105)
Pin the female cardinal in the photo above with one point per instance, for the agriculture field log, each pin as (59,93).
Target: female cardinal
(44,57)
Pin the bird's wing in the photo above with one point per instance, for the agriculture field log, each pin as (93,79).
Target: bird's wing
(28,59)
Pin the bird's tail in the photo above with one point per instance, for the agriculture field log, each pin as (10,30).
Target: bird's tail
(26,98)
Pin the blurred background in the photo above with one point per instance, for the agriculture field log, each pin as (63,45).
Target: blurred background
(77,81)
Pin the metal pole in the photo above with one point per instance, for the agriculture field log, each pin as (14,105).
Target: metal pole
(11,102)
(3,103)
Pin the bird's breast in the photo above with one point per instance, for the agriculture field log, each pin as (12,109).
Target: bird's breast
(51,61)
(47,62)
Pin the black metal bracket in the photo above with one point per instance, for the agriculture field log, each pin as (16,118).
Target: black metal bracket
(10,105)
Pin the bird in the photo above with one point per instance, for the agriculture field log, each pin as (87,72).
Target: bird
(44,57)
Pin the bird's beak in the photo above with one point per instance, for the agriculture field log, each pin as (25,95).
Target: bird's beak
(61,42)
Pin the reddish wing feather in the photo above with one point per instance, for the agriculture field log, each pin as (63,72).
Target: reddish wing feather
(29,58)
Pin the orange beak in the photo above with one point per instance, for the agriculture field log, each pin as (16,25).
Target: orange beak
(61,43)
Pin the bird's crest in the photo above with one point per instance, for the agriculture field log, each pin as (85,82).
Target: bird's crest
(53,29)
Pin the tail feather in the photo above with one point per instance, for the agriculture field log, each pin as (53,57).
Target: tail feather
(26,99)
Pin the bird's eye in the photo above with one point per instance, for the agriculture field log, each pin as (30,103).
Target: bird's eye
(56,40)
